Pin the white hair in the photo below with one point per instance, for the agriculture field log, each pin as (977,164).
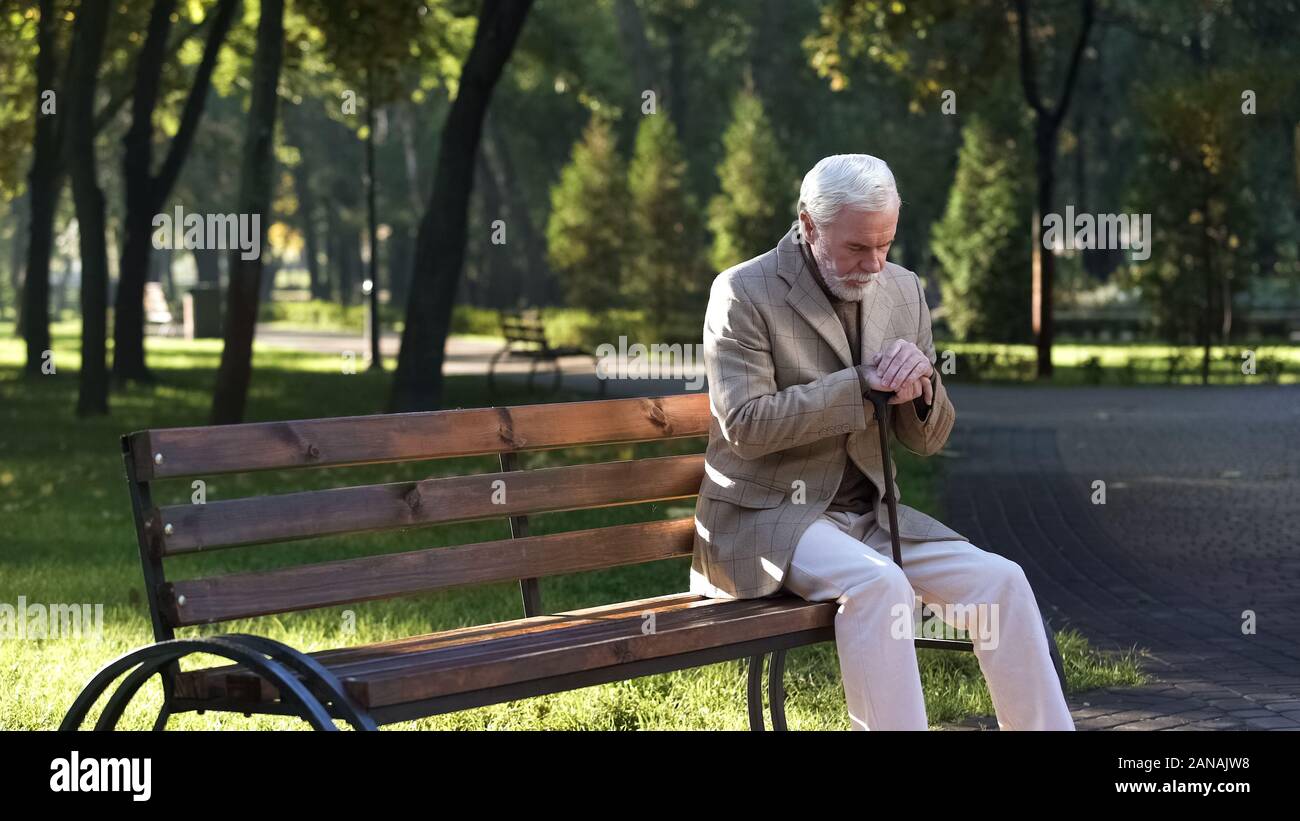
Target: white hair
(858,181)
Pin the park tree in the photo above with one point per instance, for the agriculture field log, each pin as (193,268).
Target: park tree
(83,72)
(257,171)
(49,88)
(369,43)
(1190,179)
(980,243)
(146,191)
(440,242)
(758,187)
(665,273)
(587,233)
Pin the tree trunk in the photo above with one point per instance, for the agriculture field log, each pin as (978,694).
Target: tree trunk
(350,265)
(1044,267)
(146,193)
(20,214)
(399,265)
(84,59)
(266,284)
(43,181)
(372,230)
(255,187)
(1047,125)
(440,244)
(303,174)
(631,31)
(310,234)
(334,255)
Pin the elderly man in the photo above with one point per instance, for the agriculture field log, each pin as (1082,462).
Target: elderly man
(792,494)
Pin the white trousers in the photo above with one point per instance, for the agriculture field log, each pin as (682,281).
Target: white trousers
(847,558)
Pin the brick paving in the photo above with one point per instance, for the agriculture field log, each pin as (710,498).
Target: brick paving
(1201,523)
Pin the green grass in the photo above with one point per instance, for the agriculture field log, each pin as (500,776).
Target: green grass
(66,536)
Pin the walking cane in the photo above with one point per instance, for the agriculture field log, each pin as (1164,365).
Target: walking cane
(880,400)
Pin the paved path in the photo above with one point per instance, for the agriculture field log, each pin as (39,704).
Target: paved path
(1201,523)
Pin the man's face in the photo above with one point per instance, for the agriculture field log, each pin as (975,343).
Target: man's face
(852,248)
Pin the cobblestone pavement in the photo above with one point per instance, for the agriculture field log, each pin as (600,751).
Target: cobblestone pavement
(1201,524)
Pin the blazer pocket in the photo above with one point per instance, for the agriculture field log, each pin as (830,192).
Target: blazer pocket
(743,493)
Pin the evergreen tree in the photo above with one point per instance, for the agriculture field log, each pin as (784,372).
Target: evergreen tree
(758,188)
(983,241)
(586,235)
(666,272)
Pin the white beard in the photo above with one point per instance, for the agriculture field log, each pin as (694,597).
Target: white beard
(831,275)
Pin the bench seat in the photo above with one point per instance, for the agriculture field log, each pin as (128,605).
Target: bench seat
(479,658)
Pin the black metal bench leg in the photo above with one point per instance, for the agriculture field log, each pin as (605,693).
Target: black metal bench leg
(776,689)
(492,367)
(755,693)
(151,660)
(600,383)
(532,374)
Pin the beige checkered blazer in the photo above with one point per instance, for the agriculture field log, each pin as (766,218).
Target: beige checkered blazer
(787,407)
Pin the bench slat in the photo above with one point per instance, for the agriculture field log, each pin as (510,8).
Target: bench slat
(243,595)
(371,508)
(358,440)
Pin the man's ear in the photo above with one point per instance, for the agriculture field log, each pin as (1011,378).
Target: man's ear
(806,227)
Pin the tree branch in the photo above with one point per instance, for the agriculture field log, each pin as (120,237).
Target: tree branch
(194,103)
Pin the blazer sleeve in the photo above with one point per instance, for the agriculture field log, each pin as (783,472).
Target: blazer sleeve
(755,417)
(926,433)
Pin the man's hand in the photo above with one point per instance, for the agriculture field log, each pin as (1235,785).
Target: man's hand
(904,369)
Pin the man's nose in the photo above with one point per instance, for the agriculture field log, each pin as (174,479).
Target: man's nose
(873,264)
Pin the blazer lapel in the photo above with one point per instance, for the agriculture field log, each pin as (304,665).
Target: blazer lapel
(806,296)
(874,316)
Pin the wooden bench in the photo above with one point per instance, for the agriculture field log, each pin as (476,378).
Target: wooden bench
(376,684)
(525,338)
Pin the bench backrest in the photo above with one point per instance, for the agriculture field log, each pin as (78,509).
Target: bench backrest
(524,326)
(174,531)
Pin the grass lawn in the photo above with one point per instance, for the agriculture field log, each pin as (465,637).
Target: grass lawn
(66,537)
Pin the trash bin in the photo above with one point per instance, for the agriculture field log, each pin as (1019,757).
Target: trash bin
(201,307)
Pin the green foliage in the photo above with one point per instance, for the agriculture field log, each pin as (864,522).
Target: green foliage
(665,275)
(758,184)
(1191,179)
(586,235)
(981,242)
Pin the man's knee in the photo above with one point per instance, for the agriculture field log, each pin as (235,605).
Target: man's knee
(886,583)
(1004,574)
